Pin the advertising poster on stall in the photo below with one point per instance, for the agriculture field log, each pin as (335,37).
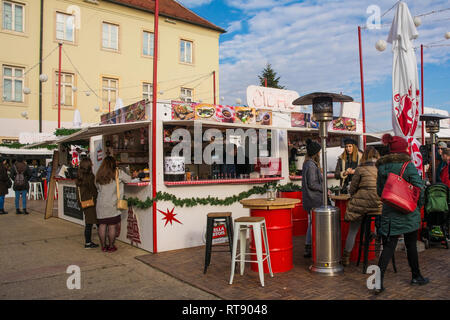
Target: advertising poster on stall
(183,110)
(344,124)
(225,114)
(204,111)
(244,115)
(132,113)
(264,117)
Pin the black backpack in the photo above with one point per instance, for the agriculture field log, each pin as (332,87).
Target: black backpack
(19,180)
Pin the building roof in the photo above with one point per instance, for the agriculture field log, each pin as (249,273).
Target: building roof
(170,9)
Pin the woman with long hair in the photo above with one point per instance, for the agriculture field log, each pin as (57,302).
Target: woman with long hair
(86,190)
(312,182)
(108,214)
(365,199)
(347,163)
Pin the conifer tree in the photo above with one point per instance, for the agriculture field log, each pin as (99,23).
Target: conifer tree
(271,76)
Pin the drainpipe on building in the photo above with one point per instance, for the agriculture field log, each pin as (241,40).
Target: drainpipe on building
(41,31)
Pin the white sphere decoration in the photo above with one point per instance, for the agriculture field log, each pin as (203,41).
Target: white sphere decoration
(74,89)
(417,21)
(161,92)
(97,109)
(447,35)
(223,98)
(24,114)
(88,93)
(43,78)
(381,45)
(26,90)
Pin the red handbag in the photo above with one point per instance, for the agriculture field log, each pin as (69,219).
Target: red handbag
(400,194)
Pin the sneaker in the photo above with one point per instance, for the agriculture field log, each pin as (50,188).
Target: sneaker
(112,249)
(18,211)
(91,245)
(419,281)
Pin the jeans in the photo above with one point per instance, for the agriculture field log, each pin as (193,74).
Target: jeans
(22,193)
(389,245)
(2,202)
(309,231)
(352,232)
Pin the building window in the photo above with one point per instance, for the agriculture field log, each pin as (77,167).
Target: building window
(186,51)
(110,36)
(13,16)
(186,95)
(65,27)
(67,83)
(13,78)
(147,47)
(147,91)
(110,88)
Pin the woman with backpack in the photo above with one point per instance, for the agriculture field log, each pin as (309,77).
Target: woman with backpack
(5,184)
(108,214)
(87,196)
(20,174)
(312,182)
(394,222)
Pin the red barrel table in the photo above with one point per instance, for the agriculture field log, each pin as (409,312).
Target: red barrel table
(299,215)
(341,202)
(278,217)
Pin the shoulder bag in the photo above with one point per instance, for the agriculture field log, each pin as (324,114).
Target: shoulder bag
(86,203)
(400,194)
(121,204)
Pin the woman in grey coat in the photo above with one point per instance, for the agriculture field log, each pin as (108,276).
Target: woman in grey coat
(108,216)
(312,182)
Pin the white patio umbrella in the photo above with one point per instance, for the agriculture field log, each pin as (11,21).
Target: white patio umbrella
(405,79)
(77,119)
(119,104)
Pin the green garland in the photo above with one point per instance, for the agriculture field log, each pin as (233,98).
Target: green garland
(65,132)
(17,145)
(214,201)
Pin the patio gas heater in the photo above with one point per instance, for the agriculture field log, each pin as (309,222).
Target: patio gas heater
(326,223)
(432,125)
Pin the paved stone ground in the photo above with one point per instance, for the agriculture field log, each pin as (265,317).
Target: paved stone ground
(299,283)
(35,253)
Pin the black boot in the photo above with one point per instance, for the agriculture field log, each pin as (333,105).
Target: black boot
(378,291)
(419,280)
(307,253)
(25,211)
(3,211)
(18,211)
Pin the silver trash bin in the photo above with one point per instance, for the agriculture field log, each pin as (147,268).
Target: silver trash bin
(326,234)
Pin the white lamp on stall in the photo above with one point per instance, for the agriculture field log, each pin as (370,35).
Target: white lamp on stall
(77,119)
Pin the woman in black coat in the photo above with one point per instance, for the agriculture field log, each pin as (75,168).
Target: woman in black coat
(5,184)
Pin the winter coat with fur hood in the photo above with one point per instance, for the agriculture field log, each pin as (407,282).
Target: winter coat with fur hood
(394,222)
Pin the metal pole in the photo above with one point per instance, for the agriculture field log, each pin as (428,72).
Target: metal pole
(421,89)
(59,86)
(154,118)
(362,87)
(323,136)
(433,157)
(214,85)
(41,31)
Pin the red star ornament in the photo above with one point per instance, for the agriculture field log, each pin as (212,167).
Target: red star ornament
(169,216)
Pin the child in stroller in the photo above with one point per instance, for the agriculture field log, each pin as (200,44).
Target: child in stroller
(436,215)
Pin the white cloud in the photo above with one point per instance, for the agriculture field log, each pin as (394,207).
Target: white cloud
(234,26)
(194,3)
(313,46)
(248,5)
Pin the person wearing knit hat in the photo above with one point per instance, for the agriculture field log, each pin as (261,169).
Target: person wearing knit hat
(440,163)
(393,222)
(347,163)
(312,183)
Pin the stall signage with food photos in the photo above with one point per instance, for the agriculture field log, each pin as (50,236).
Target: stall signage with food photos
(271,99)
(135,112)
(302,120)
(344,124)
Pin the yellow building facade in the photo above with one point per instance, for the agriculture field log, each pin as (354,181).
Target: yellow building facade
(106,54)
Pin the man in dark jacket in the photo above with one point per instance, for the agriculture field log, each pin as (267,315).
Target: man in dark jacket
(4,185)
(21,174)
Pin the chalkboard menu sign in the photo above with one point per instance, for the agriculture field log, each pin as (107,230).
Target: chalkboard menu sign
(71,207)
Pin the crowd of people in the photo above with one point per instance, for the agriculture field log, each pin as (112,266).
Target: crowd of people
(363,176)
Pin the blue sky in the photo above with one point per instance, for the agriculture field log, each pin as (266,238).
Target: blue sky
(313,46)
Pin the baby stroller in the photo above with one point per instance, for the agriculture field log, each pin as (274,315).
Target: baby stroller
(436,215)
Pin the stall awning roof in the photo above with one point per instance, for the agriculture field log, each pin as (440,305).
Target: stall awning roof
(106,129)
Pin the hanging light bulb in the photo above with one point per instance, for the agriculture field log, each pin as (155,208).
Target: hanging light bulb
(43,78)
(417,21)
(26,90)
(381,45)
